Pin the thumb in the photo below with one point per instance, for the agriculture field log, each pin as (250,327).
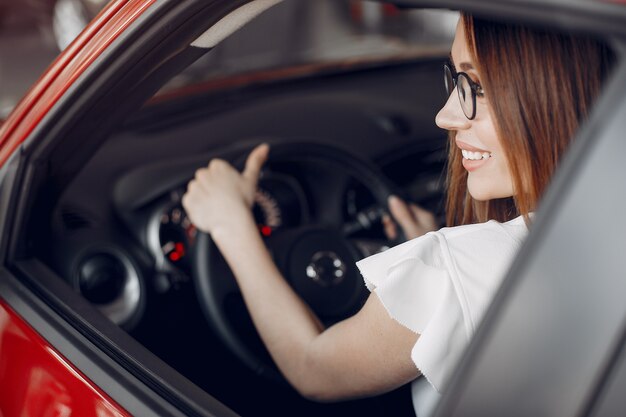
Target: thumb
(255,162)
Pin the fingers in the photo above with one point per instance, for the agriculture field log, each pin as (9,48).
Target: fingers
(216,167)
(255,162)
(402,213)
(219,196)
(389,227)
(193,194)
(414,220)
(192,203)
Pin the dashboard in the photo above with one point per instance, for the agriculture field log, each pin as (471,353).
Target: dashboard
(121,238)
(138,243)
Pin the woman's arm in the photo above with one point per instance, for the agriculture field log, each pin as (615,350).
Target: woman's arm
(366,354)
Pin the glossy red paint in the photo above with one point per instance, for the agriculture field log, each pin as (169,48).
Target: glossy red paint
(37,381)
(72,62)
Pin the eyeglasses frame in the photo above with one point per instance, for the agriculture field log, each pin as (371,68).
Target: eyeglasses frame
(476,88)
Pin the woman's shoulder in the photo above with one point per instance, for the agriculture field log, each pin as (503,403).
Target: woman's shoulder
(481,252)
(515,229)
(425,248)
(490,243)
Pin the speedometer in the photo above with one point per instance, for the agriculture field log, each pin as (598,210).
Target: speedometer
(279,203)
(267,212)
(176,235)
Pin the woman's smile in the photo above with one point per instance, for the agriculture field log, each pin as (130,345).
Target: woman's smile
(473,157)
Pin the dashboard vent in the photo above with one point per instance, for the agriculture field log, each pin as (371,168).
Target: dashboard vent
(75,219)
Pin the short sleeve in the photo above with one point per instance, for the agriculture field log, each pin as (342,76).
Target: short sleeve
(414,285)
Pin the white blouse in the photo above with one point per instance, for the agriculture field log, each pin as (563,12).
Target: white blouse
(439,286)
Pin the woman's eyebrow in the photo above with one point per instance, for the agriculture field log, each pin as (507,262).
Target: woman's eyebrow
(465,66)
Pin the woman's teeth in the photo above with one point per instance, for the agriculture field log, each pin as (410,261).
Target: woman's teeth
(475,156)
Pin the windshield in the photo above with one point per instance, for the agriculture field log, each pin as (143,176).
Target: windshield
(324,34)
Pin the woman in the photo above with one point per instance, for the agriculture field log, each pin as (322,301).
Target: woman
(517,96)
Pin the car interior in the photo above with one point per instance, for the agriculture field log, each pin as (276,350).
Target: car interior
(349,117)
(345,132)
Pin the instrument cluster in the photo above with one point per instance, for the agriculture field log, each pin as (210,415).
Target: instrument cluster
(280,203)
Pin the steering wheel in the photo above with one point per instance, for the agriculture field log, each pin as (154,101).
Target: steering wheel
(317,261)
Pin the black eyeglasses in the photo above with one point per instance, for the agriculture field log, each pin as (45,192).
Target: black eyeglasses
(466,87)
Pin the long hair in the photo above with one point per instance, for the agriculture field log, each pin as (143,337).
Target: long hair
(540,85)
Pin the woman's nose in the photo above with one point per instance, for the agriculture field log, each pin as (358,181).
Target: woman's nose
(451,116)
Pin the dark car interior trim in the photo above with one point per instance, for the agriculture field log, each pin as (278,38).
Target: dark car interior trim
(580,15)
(8,191)
(155,168)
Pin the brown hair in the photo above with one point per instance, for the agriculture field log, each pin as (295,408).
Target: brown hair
(537,107)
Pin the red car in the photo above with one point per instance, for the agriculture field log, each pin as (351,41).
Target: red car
(111,303)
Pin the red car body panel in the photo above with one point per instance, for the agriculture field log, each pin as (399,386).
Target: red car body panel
(37,380)
(70,65)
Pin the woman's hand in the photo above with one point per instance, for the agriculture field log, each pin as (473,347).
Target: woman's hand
(340,362)
(414,220)
(219,199)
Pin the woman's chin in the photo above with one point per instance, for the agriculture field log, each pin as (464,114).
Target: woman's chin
(479,192)
(482,193)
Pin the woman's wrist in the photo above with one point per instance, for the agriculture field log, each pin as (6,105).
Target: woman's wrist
(240,226)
